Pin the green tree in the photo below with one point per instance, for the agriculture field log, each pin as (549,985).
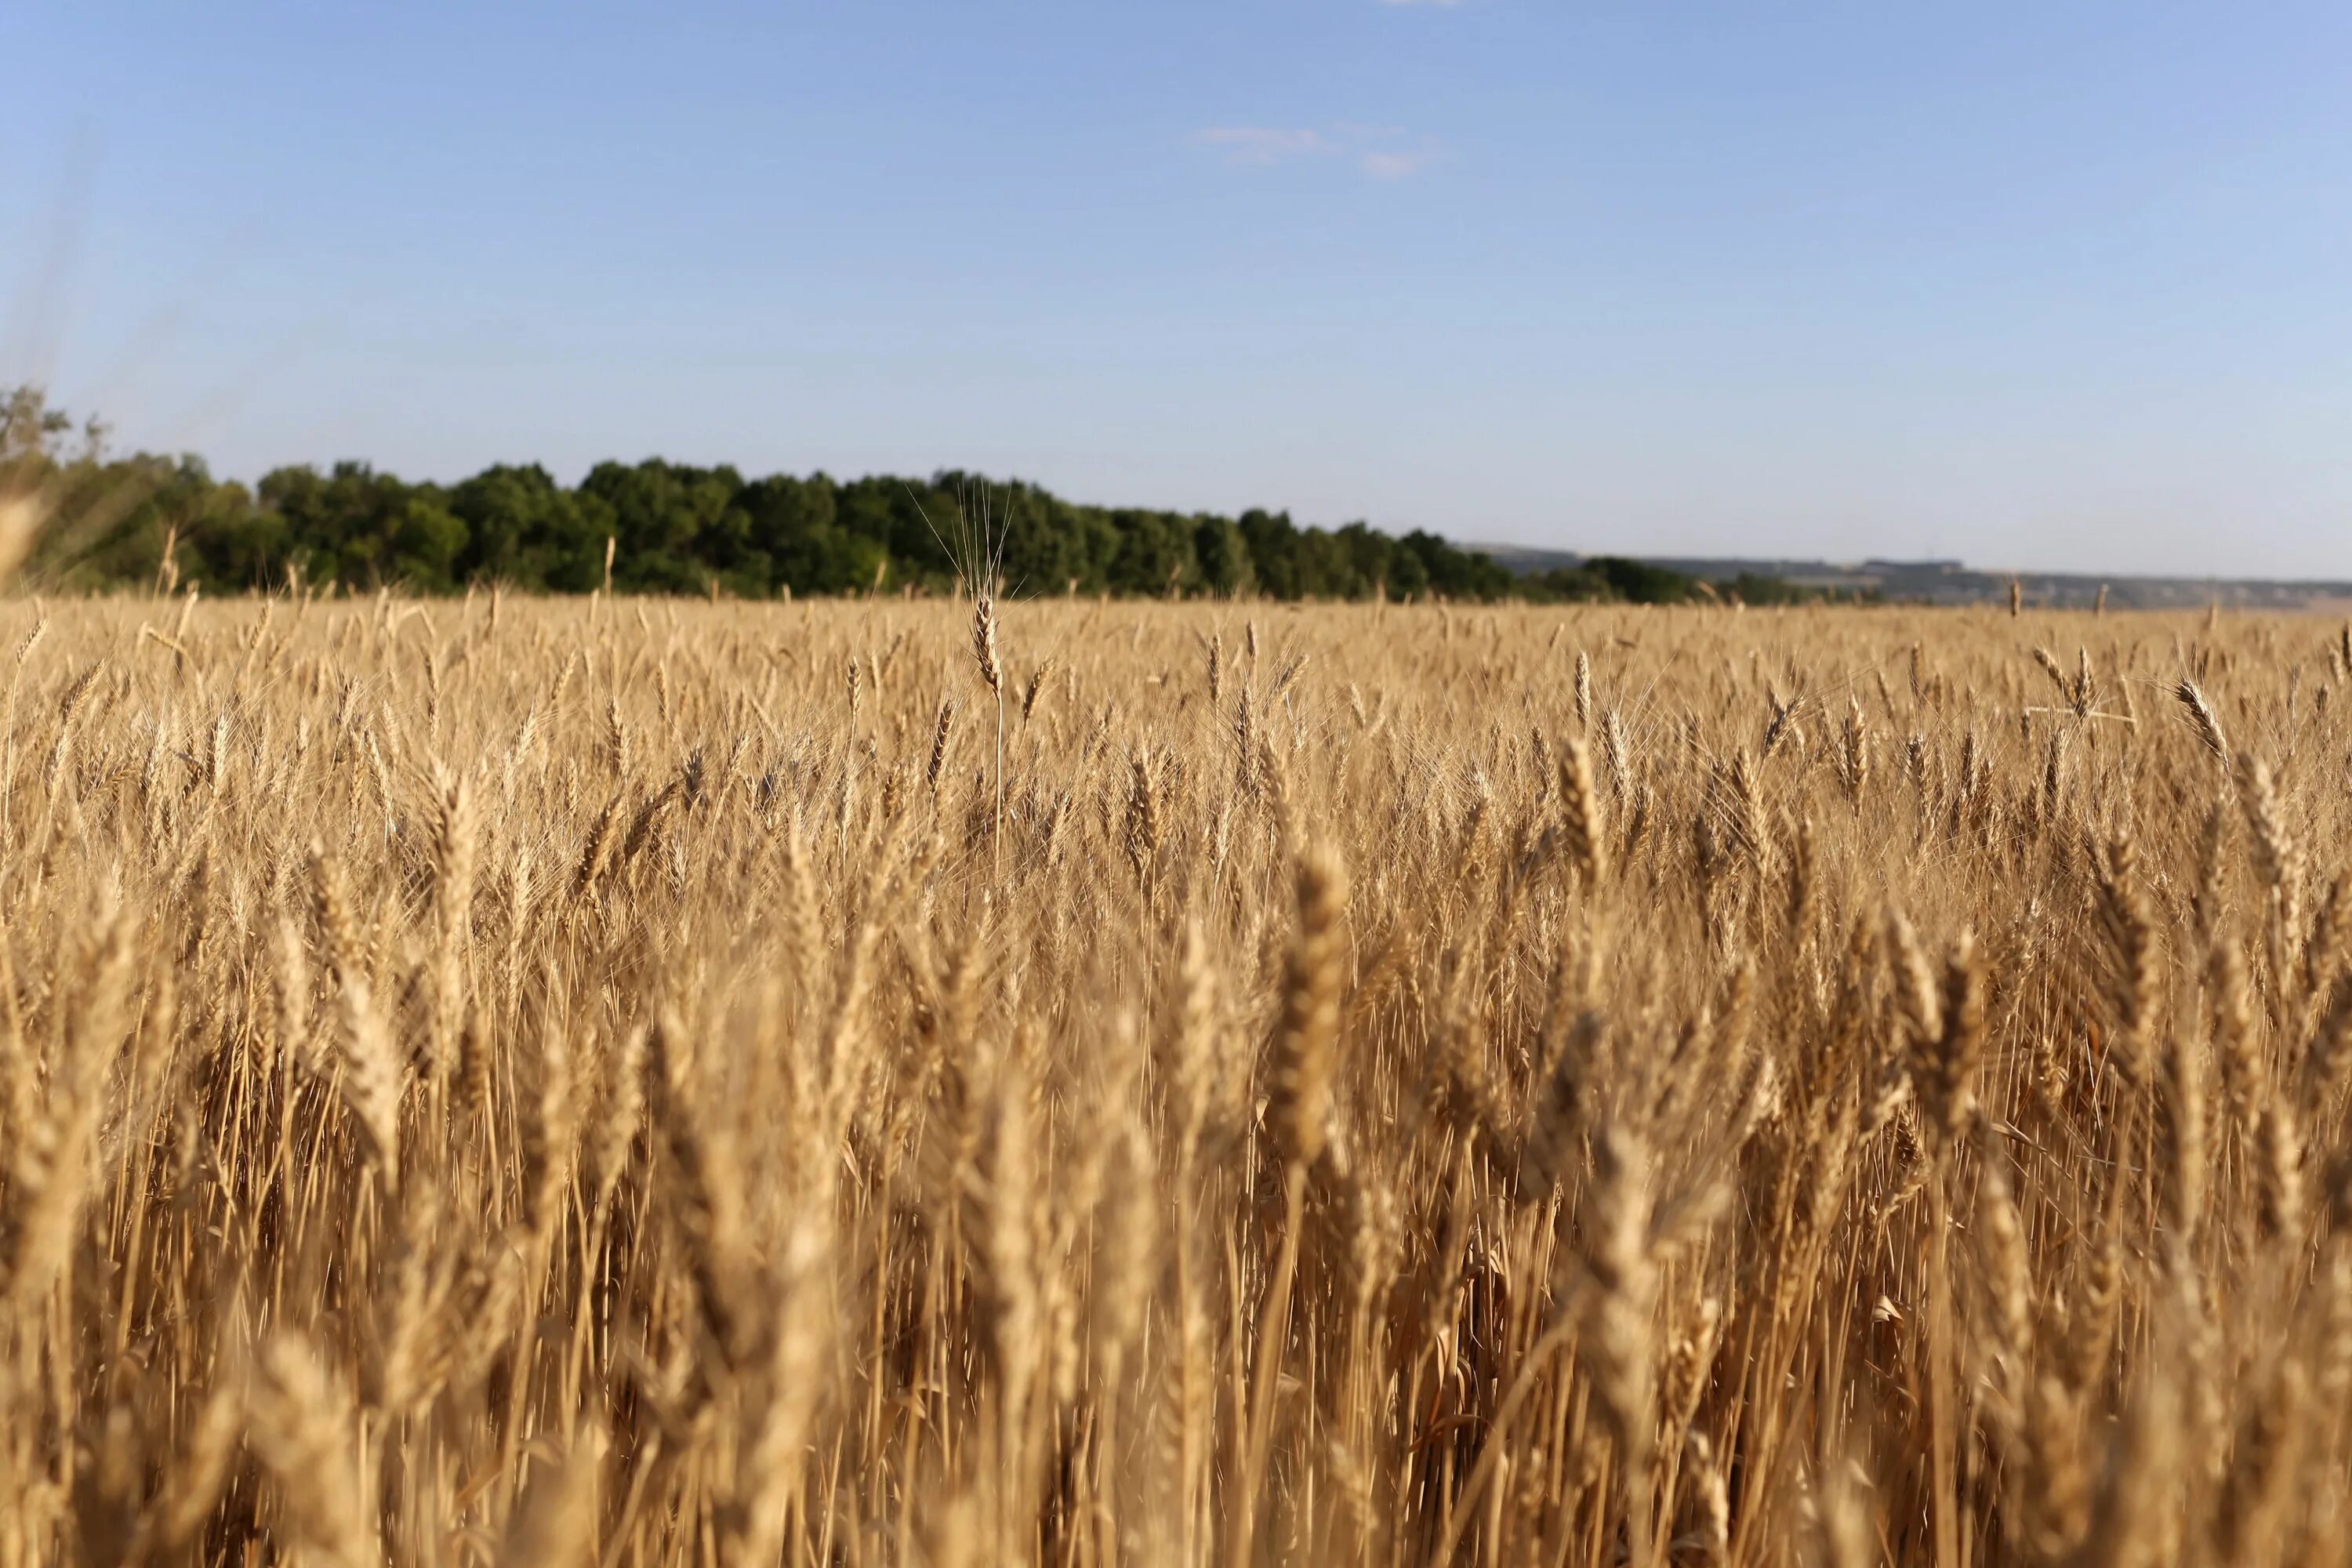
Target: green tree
(663,516)
(792,522)
(1223,551)
(525,529)
(355,525)
(1273,543)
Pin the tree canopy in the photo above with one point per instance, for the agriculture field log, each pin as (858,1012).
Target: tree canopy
(673,528)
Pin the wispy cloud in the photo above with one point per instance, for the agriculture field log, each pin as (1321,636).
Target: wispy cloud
(1266,143)
(1396,166)
(1382,152)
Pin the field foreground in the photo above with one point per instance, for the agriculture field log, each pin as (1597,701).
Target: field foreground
(648,1083)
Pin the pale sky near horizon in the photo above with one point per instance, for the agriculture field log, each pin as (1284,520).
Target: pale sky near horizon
(2040,286)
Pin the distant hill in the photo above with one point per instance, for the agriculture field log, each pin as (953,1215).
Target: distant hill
(1954,582)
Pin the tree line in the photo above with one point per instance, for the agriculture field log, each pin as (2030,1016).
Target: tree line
(659,527)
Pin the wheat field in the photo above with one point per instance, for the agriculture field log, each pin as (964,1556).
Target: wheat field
(664,1083)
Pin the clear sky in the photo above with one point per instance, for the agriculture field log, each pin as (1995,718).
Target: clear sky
(2037,284)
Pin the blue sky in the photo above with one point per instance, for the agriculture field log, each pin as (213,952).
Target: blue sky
(2037,285)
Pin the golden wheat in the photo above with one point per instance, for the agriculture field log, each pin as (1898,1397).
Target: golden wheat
(530,1082)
